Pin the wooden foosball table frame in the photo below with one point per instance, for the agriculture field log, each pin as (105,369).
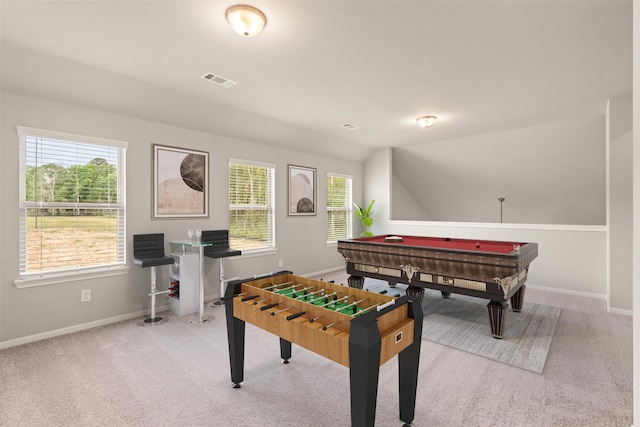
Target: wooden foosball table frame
(383,327)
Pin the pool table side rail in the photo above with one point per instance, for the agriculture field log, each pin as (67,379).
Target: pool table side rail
(481,265)
(442,269)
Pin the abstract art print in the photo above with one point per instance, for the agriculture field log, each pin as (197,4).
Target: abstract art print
(180,182)
(302,190)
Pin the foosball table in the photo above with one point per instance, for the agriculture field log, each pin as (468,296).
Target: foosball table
(358,329)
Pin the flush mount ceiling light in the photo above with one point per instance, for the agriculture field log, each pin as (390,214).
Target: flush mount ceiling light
(426,121)
(246,20)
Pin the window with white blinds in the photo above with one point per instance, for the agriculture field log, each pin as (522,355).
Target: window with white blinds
(339,207)
(72,202)
(251,205)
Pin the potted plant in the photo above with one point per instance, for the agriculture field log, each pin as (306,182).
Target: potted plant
(366,219)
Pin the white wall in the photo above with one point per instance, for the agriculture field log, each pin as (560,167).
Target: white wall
(38,311)
(404,204)
(636,211)
(549,173)
(620,202)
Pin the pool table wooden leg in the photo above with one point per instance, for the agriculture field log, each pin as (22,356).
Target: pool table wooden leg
(415,293)
(497,317)
(517,299)
(355,282)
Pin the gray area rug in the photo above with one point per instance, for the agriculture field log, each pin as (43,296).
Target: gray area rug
(462,322)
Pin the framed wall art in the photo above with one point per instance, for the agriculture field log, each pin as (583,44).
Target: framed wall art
(180,183)
(302,190)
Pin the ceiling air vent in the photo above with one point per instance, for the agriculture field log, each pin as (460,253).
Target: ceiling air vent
(219,80)
(350,126)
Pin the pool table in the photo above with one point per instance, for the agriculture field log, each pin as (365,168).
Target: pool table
(493,270)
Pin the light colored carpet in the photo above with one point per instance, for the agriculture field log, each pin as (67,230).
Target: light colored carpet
(462,322)
(177,374)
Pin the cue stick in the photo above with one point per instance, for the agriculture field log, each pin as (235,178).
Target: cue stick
(262,300)
(268,306)
(273,313)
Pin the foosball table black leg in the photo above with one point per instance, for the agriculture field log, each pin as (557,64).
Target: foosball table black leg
(235,336)
(285,350)
(408,364)
(365,345)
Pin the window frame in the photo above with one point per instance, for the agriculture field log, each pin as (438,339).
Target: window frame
(271,208)
(39,278)
(349,207)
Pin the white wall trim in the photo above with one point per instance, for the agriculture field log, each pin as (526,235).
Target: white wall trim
(76,328)
(568,292)
(506,226)
(69,276)
(620,311)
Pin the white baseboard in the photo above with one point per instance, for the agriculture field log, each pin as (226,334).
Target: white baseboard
(620,311)
(76,328)
(584,294)
(85,326)
(318,273)
(568,291)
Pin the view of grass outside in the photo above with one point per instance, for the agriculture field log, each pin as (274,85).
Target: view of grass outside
(60,242)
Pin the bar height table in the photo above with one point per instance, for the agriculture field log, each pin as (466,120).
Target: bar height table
(200,245)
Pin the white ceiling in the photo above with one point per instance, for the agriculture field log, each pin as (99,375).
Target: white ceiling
(480,66)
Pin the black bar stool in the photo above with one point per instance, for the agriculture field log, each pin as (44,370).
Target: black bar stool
(148,251)
(219,249)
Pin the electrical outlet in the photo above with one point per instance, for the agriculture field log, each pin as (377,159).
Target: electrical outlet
(280,263)
(85,295)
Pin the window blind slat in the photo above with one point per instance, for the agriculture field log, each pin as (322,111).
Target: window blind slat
(251,212)
(339,207)
(72,203)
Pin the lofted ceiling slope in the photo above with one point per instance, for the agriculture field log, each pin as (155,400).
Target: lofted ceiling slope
(480,66)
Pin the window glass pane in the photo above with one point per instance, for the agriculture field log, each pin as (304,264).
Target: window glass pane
(338,207)
(251,206)
(72,205)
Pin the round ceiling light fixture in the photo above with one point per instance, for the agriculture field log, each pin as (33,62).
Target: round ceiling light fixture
(426,121)
(246,20)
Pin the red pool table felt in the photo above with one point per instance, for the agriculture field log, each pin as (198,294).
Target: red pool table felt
(446,243)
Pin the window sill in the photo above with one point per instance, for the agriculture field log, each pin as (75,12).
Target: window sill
(69,276)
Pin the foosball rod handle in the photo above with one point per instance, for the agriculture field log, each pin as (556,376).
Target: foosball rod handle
(296,315)
(268,306)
